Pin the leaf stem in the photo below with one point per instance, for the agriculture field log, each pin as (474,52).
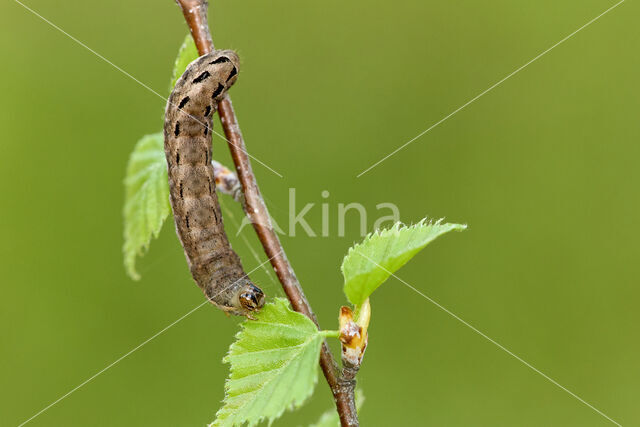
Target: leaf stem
(331,334)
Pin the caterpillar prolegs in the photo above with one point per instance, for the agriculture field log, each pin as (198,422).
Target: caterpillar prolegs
(215,267)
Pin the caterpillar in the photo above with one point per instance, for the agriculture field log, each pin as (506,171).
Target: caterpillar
(214,266)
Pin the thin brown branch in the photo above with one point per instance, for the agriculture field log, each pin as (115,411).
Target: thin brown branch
(195,13)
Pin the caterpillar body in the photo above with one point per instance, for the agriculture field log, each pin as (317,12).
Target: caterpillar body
(215,267)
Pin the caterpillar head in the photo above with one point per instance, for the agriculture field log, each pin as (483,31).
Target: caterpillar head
(250,298)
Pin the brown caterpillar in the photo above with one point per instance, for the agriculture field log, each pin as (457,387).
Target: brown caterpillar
(215,267)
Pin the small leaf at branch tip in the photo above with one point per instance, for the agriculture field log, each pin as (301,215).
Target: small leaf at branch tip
(369,263)
(273,365)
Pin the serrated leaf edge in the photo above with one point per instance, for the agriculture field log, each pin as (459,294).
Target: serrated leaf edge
(395,229)
(317,334)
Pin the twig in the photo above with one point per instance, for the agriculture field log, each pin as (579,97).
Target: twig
(195,13)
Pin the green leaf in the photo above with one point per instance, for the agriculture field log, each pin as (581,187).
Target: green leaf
(188,53)
(146,203)
(368,264)
(331,419)
(274,365)
(146,184)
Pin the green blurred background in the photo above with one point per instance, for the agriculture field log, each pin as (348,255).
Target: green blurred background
(544,169)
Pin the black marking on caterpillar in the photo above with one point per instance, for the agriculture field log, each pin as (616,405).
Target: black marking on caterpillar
(202,77)
(183,102)
(218,91)
(232,73)
(220,60)
(214,265)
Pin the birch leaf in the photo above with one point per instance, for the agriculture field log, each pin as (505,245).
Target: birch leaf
(187,53)
(146,203)
(146,184)
(274,366)
(368,264)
